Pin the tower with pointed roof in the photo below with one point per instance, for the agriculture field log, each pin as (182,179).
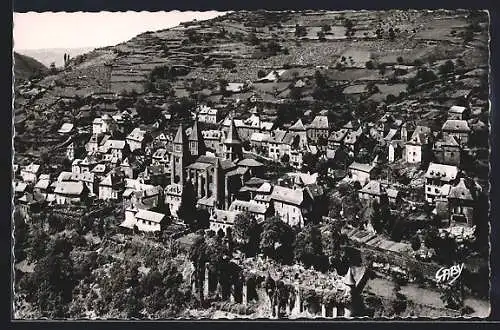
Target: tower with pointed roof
(180,155)
(232,144)
(196,143)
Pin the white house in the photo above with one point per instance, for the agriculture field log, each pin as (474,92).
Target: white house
(173,194)
(136,139)
(438,179)
(30,173)
(361,172)
(146,221)
(222,219)
(69,192)
(291,205)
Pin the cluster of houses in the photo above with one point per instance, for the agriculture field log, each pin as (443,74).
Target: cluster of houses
(148,171)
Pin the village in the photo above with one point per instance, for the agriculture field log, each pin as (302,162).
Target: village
(387,183)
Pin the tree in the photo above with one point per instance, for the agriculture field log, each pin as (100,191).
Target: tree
(319,79)
(52,281)
(252,38)
(198,256)
(276,240)
(326,28)
(147,112)
(285,159)
(447,67)
(228,64)
(309,161)
(381,69)
(261,74)
(273,47)
(187,208)
(308,247)
(400,59)
(296,93)
(392,34)
(415,243)
(300,31)
(247,231)
(369,65)
(321,35)
(182,108)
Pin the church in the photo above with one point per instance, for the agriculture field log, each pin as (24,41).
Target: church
(216,179)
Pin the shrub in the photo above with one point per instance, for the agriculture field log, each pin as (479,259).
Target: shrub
(228,64)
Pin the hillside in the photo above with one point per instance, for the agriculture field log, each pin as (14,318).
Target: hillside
(224,59)
(26,67)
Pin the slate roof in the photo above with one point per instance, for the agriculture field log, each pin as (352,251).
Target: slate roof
(373,188)
(367,168)
(150,216)
(319,122)
(452,125)
(249,162)
(288,195)
(69,188)
(224,216)
(246,206)
(443,172)
(462,191)
(338,136)
(298,126)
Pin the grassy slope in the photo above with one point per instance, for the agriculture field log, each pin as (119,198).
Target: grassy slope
(25,67)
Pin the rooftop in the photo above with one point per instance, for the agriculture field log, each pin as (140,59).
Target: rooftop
(150,216)
(443,172)
(367,168)
(452,125)
(288,195)
(69,188)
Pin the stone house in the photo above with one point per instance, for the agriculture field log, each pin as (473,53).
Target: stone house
(360,172)
(70,192)
(447,151)
(418,147)
(318,128)
(459,129)
(438,179)
(291,205)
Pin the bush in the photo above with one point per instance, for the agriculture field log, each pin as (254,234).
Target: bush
(369,65)
(261,74)
(228,64)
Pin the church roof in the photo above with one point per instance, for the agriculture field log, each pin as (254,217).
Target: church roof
(180,136)
(195,132)
(232,135)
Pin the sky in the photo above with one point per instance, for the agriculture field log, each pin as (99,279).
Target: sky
(77,30)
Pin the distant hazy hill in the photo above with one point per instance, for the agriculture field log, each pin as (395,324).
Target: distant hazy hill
(25,66)
(54,55)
